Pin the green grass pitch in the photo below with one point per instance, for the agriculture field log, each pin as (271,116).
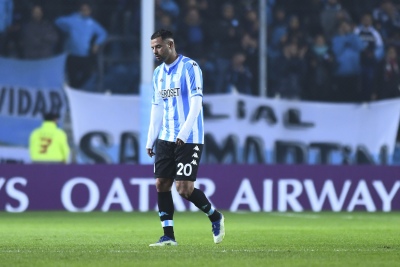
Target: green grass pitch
(252,239)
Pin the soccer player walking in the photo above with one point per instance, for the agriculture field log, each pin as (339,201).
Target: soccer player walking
(176,131)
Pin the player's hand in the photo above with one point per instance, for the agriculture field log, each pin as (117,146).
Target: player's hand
(150,152)
(179,142)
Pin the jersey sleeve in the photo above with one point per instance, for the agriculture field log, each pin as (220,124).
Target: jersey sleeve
(156,98)
(195,108)
(155,125)
(194,79)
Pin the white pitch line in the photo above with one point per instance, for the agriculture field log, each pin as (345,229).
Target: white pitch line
(222,251)
(296,215)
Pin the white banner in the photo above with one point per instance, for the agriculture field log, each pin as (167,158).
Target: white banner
(105,127)
(245,129)
(11,154)
(301,132)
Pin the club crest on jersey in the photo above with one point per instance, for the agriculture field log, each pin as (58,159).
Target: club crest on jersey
(171,92)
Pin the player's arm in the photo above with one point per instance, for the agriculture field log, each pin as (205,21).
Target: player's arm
(195,83)
(156,116)
(195,108)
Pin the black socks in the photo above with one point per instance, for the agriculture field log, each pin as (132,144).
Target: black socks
(199,199)
(166,209)
(166,213)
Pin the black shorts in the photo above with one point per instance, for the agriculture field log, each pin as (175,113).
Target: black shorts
(177,162)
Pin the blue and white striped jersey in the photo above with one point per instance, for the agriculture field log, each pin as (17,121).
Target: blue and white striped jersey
(174,85)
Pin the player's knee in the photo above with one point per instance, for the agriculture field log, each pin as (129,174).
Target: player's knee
(184,189)
(184,193)
(163,185)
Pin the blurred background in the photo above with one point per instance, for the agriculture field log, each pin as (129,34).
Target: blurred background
(324,75)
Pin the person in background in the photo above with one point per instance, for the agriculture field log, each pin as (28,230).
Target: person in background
(331,15)
(6,18)
(84,37)
(48,143)
(389,75)
(226,36)
(193,34)
(320,68)
(346,47)
(165,22)
(38,37)
(291,71)
(371,56)
(239,77)
(249,46)
(387,18)
(169,6)
(276,38)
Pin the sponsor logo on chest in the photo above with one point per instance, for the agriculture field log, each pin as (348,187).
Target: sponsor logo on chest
(171,92)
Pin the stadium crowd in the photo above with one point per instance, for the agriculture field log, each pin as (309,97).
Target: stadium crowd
(319,50)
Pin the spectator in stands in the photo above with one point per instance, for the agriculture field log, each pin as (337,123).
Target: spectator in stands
(226,34)
(389,75)
(371,55)
(311,16)
(192,34)
(6,17)
(48,143)
(239,77)
(249,46)
(165,22)
(295,33)
(85,36)
(187,4)
(250,24)
(277,33)
(394,40)
(387,17)
(321,65)
(356,8)
(38,36)
(119,17)
(208,69)
(208,10)
(331,16)
(347,47)
(276,39)
(270,11)
(169,6)
(57,8)
(20,13)
(292,71)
